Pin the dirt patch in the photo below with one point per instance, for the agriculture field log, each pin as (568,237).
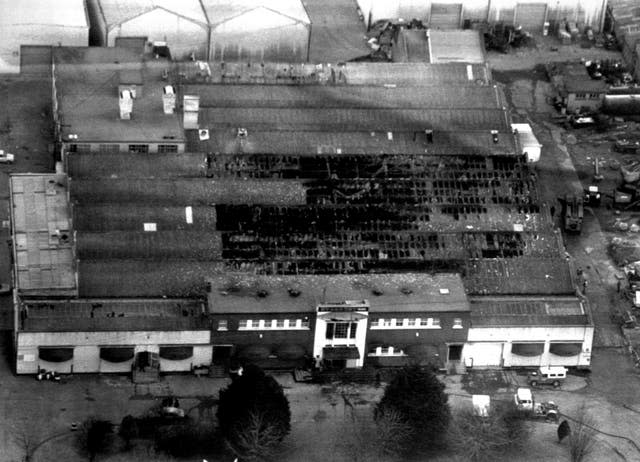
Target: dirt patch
(485,382)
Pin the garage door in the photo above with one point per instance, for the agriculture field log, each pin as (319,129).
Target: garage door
(531,16)
(35,60)
(445,15)
(483,354)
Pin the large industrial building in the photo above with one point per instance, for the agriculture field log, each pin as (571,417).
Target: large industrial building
(370,214)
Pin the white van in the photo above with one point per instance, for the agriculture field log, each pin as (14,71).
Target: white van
(549,375)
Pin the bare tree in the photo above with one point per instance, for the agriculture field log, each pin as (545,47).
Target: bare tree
(582,438)
(476,438)
(27,437)
(257,440)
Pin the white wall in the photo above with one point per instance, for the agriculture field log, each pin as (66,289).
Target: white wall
(87,352)
(477,350)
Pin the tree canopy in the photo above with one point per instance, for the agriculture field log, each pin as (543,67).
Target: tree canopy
(253,413)
(417,398)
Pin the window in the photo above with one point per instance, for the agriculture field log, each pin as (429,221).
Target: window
(167,148)
(82,148)
(293,323)
(384,350)
(594,96)
(457,323)
(330,328)
(243,324)
(305,324)
(581,95)
(411,322)
(375,322)
(72,148)
(109,148)
(222,324)
(424,322)
(280,324)
(435,322)
(341,330)
(140,148)
(387,322)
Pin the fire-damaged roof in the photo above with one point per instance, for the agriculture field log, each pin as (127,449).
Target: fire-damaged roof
(408,292)
(528,311)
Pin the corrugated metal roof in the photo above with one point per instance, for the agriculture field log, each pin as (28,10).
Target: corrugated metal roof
(527,311)
(219,11)
(408,292)
(412,46)
(303,96)
(414,74)
(117,12)
(357,119)
(456,46)
(67,13)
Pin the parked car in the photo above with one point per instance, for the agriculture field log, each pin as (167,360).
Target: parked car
(550,375)
(6,158)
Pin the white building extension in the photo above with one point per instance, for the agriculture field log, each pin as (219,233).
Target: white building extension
(529,332)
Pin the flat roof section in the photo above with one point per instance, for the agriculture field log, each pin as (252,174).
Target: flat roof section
(400,292)
(412,46)
(113,315)
(88,106)
(329,96)
(528,311)
(42,235)
(340,120)
(456,46)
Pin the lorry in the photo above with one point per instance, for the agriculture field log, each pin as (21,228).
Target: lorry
(547,410)
(572,213)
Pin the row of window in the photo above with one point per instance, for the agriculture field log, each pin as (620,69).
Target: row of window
(412,323)
(115,148)
(385,351)
(587,95)
(266,324)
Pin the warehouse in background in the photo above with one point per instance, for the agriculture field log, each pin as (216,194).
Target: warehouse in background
(257,30)
(34,22)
